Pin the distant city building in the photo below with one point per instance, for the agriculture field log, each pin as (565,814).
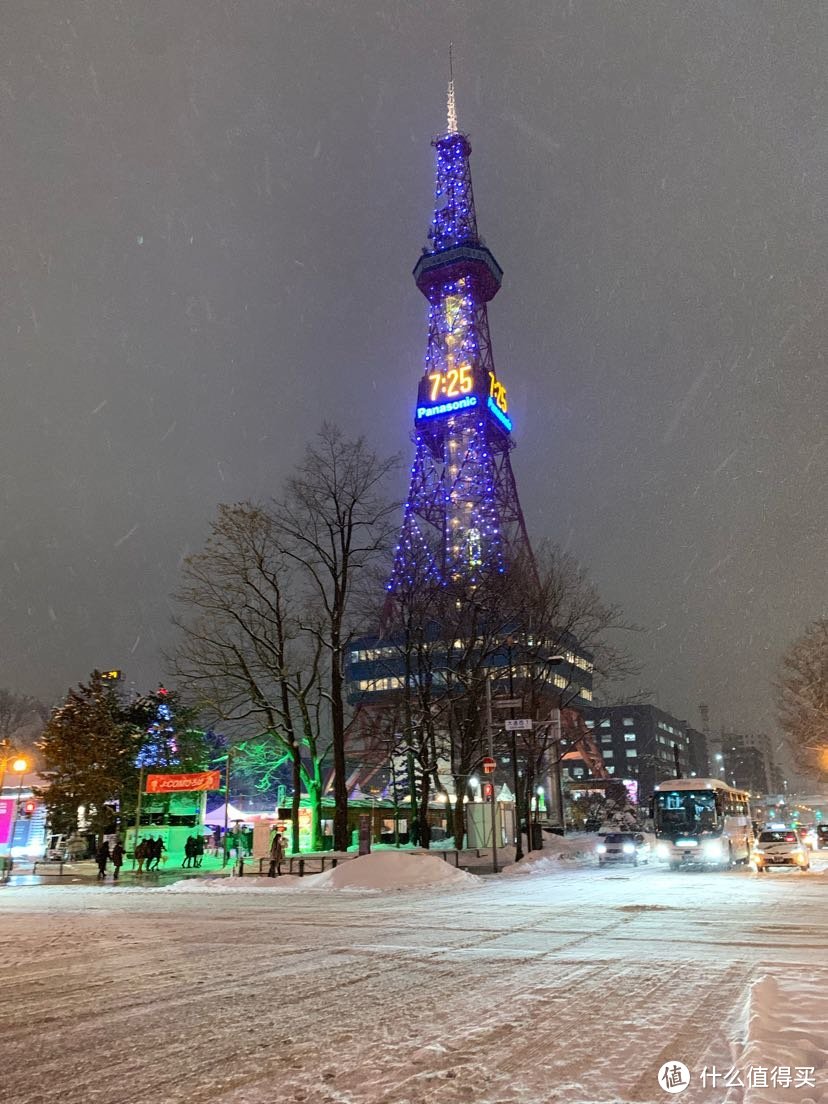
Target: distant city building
(749,758)
(642,742)
(699,753)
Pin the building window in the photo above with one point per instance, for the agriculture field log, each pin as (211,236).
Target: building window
(605,724)
(606,739)
(632,753)
(629,737)
(610,770)
(629,721)
(590,724)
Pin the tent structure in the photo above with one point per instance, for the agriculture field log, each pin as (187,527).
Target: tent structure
(217,816)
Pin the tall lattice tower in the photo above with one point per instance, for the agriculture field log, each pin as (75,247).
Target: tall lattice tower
(462,517)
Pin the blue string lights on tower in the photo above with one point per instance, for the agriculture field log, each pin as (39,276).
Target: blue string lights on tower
(462,515)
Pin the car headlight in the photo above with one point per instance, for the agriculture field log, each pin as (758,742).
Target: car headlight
(628,848)
(713,847)
(601,848)
(663,851)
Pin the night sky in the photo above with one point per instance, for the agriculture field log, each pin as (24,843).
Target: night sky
(209,213)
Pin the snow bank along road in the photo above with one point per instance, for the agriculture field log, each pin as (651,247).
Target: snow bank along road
(572,987)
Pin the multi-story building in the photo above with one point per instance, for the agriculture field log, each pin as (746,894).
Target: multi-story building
(750,761)
(699,753)
(643,743)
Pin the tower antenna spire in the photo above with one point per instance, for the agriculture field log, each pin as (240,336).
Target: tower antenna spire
(452,105)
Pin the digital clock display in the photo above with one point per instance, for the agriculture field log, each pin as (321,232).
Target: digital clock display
(457,389)
(455,381)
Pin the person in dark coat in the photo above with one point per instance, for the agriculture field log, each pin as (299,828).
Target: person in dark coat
(102,858)
(277,854)
(199,850)
(189,852)
(117,857)
(157,850)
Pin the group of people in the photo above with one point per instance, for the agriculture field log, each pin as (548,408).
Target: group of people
(149,851)
(105,854)
(193,851)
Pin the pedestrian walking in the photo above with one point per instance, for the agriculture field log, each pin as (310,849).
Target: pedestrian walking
(157,850)
(199,850)
(117,857)
(277,854)
(102,858)
(189,852)
(141,855)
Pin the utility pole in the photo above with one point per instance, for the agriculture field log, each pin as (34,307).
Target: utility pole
(226,800)
(554,781)
(515,771)
(490,731)
(138,814)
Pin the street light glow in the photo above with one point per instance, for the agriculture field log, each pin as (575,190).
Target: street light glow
(20,766)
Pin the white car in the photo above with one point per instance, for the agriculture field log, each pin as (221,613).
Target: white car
(623,847)
(780,847)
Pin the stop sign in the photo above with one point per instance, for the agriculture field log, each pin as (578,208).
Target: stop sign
(488,765)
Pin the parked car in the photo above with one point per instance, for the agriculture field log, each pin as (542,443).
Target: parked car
(780,847)
(55,849)
(822,835)
(623,847)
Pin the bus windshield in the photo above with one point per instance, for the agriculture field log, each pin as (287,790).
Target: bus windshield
(690,811)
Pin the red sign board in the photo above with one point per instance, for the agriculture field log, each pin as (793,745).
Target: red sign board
(488,765)
(183,783)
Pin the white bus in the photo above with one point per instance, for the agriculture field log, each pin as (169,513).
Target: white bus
(701,821)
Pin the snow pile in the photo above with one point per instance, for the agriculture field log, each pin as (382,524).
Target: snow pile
(786,1026)
(391,870)
(226,884)
(558,852)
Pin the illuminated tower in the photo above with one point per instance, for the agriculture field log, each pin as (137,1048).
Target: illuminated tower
(462,517)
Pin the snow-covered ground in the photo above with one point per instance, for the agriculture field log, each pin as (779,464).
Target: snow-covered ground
(566,984)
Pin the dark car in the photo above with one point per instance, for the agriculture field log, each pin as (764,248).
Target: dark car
(822,835)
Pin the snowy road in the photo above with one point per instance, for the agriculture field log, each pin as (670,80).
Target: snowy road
(571,987)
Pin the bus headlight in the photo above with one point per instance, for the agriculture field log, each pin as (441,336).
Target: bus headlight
(713,848)
(662,850)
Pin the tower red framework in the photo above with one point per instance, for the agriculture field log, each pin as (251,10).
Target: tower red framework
(462,516)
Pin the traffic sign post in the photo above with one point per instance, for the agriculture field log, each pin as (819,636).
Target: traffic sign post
(519,724)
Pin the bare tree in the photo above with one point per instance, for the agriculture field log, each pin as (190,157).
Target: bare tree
(444,642)
(802,695)
(21,719)
(335,523)
(245,653)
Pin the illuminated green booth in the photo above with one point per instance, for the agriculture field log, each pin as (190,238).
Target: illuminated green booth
(173,817)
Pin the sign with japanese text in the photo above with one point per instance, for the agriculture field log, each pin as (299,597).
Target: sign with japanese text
(179,783)
(519,724)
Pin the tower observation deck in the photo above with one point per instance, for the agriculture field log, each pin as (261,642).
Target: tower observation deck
(462,516)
